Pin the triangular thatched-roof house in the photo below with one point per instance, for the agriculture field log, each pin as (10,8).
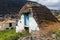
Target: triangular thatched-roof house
(37,12)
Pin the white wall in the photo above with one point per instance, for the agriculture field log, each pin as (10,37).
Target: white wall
(33,26)
(20,25)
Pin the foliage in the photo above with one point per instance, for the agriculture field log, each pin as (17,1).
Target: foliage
(58,16)
(11,35)
(57,32)
(59,21)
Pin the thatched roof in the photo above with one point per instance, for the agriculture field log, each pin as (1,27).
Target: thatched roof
(38,11)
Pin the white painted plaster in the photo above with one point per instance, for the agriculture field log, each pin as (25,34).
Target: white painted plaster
(33,26)
(20,25)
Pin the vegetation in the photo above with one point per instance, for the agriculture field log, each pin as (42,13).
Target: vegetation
(59,21)
(58,16)
(11,35)
(57,32)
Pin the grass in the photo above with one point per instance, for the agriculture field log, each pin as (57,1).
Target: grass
(57,32)
(11,35)
(59,21)
(58,16)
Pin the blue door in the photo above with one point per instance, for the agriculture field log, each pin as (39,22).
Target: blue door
(26,19)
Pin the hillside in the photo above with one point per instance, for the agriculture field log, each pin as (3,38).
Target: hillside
(10,7)
(55,12)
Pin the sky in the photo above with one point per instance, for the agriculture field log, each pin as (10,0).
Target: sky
(51,4)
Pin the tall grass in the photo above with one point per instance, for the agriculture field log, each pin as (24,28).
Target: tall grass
(11,35)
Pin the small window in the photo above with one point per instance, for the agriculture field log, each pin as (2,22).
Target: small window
(10,24)
(7,28)
(12,28)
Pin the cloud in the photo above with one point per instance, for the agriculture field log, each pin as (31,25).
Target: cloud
(32,0)
(52,4)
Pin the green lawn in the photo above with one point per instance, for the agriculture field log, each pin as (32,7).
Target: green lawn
(11,35)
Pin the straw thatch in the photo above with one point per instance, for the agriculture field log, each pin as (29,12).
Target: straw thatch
(38,11)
